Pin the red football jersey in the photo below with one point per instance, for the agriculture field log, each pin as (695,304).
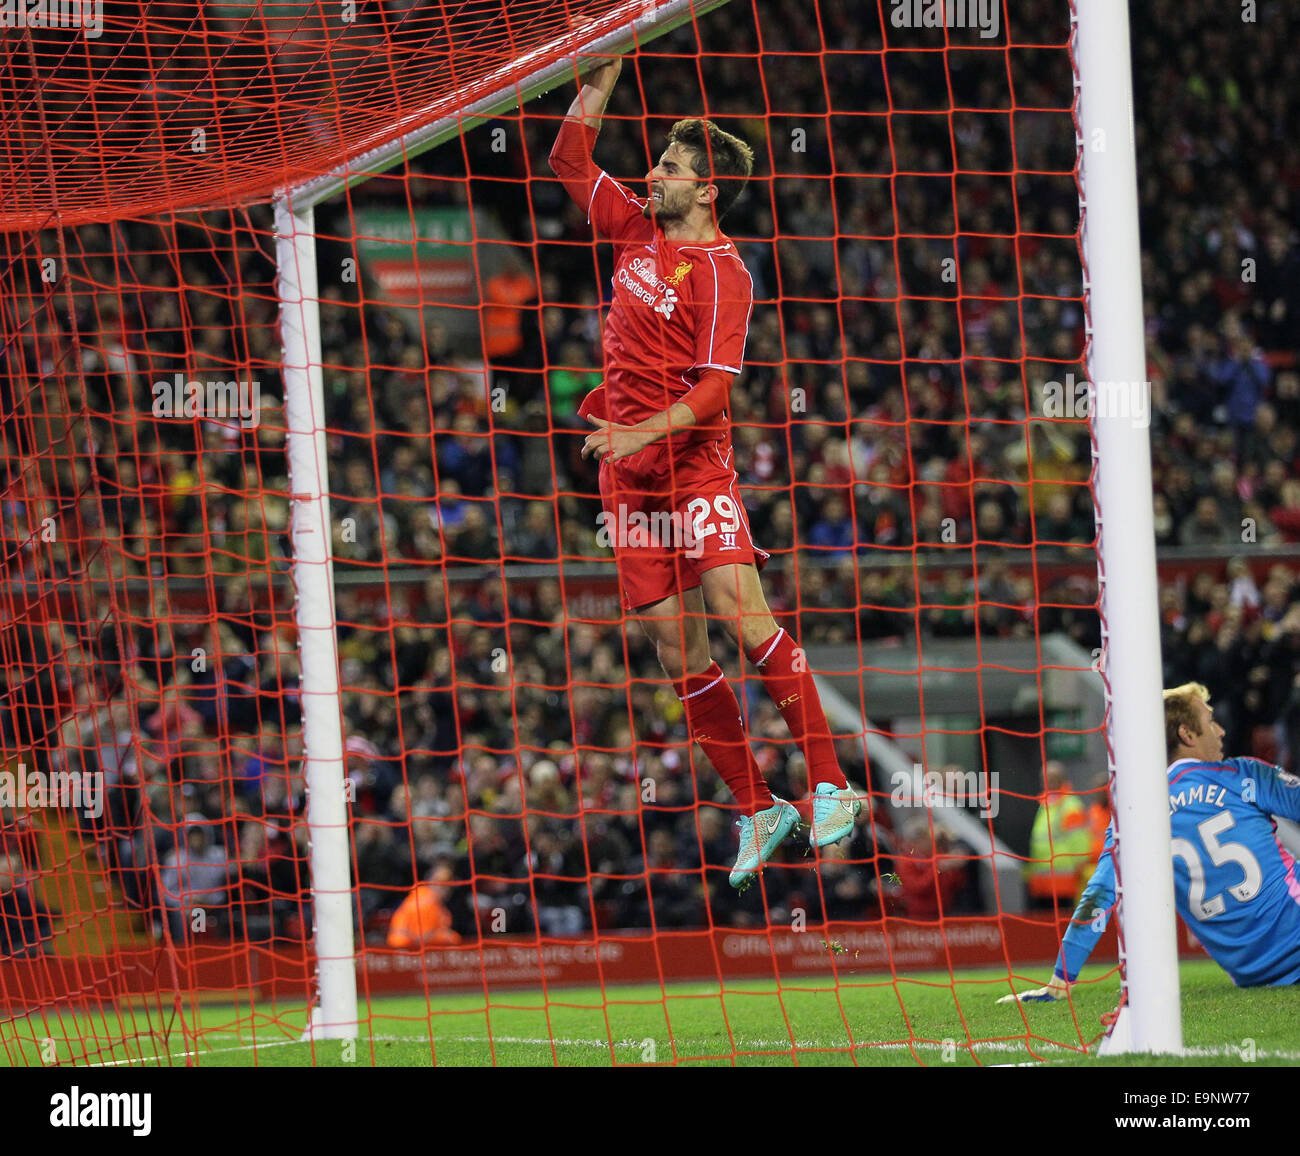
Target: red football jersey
(679,308)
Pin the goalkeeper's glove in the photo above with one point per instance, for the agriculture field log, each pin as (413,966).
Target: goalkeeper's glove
(1055,989)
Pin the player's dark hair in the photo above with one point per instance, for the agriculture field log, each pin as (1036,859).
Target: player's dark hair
(732,159)
(1180,712)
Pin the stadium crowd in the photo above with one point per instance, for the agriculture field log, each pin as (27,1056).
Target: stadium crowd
(529,760)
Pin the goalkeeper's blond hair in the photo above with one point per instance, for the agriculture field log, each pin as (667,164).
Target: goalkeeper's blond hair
(1179,712)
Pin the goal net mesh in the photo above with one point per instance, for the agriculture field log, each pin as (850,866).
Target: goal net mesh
(539,856)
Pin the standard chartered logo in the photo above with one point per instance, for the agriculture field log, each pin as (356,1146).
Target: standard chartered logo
(642,280)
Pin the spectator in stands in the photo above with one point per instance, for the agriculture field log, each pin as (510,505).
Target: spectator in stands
(568,381)
(833,534)
(846,888)
(535,538)
(255,762)
(1277,301)
(558,871)
(373,778)
(253,900)
(674,888)
(954,614)
(1242,377)
(384,867)
(1286,514)
(193,881)
(930,879)
(466,458)
(25,927)
(1206,527)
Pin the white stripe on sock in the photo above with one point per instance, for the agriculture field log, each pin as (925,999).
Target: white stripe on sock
(771,648)
(683,698)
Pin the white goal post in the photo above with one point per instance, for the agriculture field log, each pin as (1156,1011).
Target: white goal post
(1127,557)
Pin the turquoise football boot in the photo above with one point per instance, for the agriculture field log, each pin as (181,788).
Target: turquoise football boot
(833,812)
(760,836)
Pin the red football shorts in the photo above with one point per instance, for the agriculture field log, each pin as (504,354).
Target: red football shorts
(668,521)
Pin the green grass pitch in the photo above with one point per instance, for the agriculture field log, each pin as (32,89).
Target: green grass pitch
(930,1019)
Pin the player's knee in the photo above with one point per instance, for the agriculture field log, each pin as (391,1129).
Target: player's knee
(747,629)
(698,656)
(678,662)
(673,661)
(735,630)
(755,629)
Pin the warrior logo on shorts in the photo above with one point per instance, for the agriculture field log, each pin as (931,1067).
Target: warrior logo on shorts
(728,541)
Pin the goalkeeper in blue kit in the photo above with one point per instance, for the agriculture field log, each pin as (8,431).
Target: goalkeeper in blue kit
(1235,887)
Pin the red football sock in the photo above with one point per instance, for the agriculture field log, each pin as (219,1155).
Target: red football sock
(713,716)
(796,697)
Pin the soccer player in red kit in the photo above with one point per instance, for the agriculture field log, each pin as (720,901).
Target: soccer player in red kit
(674,343)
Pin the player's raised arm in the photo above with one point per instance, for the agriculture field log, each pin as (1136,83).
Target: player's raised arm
(594,93)
(571,154)
(612,209)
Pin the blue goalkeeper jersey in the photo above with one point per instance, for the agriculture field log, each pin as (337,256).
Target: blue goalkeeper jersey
(1235,888)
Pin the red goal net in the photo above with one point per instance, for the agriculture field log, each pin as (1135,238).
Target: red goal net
(538,854)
